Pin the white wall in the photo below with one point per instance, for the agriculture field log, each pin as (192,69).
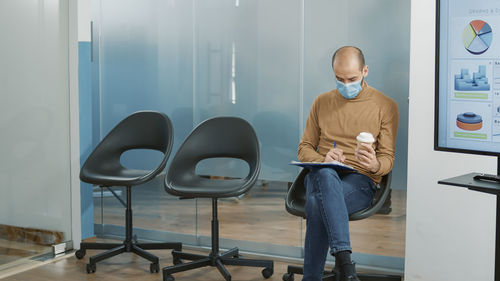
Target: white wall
(39,160)
(450,230)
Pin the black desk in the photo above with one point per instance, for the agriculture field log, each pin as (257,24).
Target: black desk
(482,186)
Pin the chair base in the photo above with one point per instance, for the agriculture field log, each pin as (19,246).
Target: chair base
(332,276)
(117,248)
(218,260)
(128,245)
(215,258)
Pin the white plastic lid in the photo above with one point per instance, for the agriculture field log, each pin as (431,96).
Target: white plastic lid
(365,137)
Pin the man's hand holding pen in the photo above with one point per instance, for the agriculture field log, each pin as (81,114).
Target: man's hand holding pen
(335,154)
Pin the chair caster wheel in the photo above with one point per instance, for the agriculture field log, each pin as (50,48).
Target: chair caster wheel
(79,254)
(177,261)
(267,272)
(288,277)
(91,268)
(168,278)
(154,267)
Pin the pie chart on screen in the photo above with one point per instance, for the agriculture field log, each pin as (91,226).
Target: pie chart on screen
(477,37)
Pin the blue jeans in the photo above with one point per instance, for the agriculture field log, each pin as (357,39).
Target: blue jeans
(330,197)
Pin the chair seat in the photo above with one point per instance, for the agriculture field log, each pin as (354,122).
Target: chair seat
(207,188)
(116,177)
(296,198)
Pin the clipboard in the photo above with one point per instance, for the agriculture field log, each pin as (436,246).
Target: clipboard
(334,165)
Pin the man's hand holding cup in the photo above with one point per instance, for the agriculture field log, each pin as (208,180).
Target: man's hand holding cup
(365,154)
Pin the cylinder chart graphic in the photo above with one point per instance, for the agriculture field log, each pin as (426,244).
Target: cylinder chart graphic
(477,37)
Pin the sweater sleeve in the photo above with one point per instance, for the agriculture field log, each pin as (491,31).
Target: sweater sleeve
(310,138)
(387,139)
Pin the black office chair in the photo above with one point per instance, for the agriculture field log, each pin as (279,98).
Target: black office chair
(141,130)
(228,137)
(295,204)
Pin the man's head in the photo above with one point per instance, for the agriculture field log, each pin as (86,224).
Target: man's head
(349,65)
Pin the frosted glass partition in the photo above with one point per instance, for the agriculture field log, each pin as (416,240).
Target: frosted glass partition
(35,124)
(247,64)
(145,62)
(241,68)
(199,59)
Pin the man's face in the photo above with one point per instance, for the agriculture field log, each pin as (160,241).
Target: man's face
(348,70)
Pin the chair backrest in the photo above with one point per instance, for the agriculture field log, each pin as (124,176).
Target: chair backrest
(228,137)
(141,130)
(296,197)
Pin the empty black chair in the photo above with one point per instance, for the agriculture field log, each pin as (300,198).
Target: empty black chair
(227,137)
(141,130)
(295,204)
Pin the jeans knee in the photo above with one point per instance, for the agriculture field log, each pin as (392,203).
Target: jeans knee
(325,181)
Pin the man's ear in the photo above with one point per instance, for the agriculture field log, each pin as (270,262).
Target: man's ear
(365,71)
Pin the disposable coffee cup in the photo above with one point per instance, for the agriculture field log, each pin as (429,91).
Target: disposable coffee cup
(365,137)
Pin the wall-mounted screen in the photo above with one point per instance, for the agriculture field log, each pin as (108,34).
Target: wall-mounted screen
(467,108)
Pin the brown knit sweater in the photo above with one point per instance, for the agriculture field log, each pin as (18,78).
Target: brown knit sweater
(334,118)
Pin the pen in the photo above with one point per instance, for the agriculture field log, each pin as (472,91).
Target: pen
(334,144)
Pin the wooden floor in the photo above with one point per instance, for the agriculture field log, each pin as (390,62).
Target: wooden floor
(260,216)
(128,266)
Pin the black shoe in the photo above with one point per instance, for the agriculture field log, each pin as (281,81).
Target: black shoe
(353,277)
(350,277)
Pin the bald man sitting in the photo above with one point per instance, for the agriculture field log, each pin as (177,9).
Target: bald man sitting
(339,116)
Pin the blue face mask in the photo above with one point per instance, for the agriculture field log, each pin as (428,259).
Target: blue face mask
(349,90)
